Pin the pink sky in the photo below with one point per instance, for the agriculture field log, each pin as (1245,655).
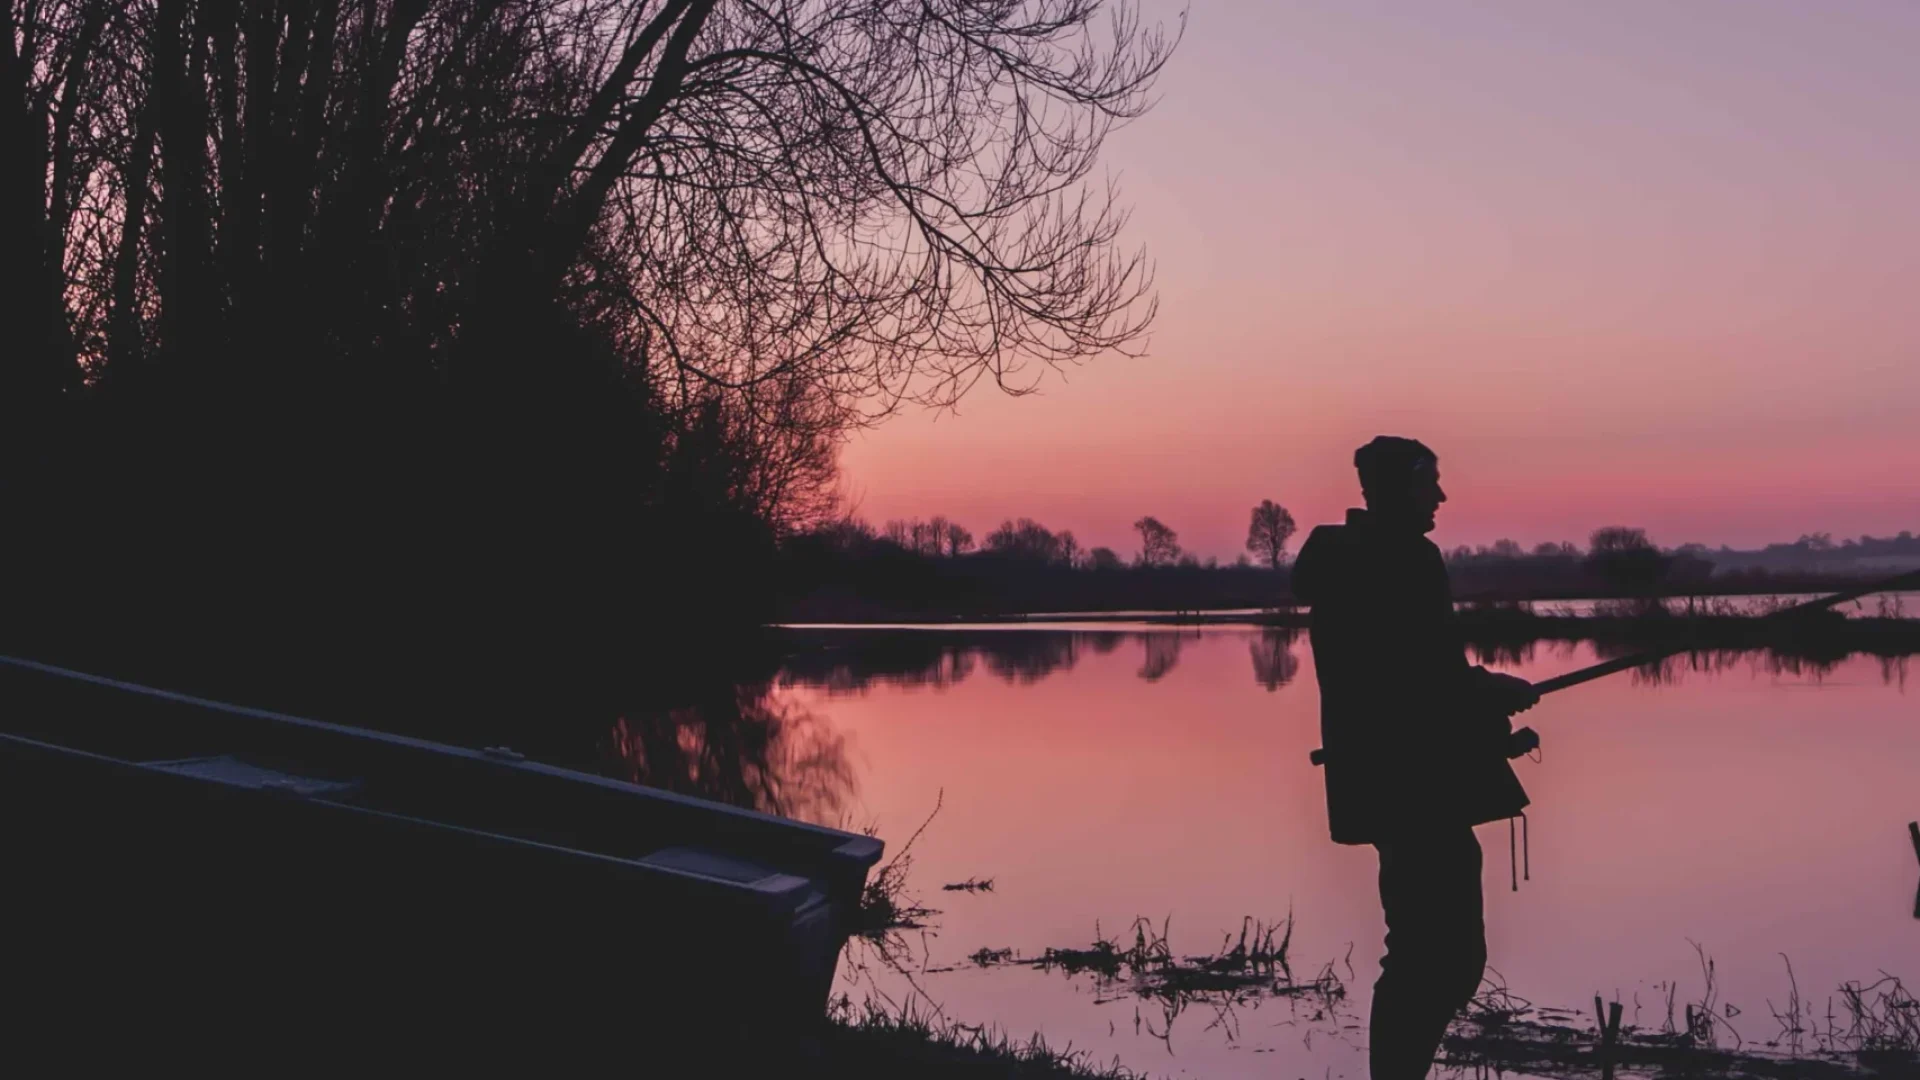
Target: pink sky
(1635,262)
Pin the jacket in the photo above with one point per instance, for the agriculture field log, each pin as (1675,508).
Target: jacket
(1410,739)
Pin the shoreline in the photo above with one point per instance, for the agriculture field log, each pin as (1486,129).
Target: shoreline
(1813,633)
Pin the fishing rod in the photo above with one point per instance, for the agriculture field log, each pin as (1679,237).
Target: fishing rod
(1910,579)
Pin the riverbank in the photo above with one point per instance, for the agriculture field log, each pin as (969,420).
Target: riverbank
(872,1043)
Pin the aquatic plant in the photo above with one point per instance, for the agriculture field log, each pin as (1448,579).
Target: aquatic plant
(1243,971)
(1868,1029)
(887,905)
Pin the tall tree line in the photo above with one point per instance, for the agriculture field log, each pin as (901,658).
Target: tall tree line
(569,284)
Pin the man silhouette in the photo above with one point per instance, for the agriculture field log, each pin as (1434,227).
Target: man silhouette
(1415,741)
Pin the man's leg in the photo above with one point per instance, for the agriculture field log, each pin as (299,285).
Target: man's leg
(1436,948)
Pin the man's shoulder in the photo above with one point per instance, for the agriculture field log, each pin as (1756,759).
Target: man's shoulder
(1321,566)
(1324,536)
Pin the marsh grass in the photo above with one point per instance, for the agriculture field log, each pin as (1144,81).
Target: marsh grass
(1246,970)
(887,905)
(879,1039)
(1865,1029)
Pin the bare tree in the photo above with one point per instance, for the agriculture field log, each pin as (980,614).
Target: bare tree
(1626,560)
(816,209)
(1024,539)
(959,540)
(1068,547)
(50,98)
(1103,558)
(581,288)
(1159,545)
(848,535)
(1618,538)
(889,201)
(1268,532)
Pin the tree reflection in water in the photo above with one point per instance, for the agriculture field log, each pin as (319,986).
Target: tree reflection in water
(1673,670)
(853,660)
(1028,658)
(850,661)
(1162,653)
(740,738)
(746,745)
(1274,664)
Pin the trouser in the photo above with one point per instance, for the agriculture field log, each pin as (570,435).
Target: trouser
(1436,947)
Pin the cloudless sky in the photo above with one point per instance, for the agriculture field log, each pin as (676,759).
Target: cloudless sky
(1628,262)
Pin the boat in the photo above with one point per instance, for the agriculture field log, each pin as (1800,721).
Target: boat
(195,879)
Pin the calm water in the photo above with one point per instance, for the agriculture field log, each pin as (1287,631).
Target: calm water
(1881,605)
(1732,802)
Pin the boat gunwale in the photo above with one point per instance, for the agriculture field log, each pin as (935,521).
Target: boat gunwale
(853,847)
(792,894)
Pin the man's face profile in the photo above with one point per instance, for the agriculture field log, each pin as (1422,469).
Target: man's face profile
(1424,494)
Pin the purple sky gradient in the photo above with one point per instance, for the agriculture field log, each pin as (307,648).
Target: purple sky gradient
(1634,262)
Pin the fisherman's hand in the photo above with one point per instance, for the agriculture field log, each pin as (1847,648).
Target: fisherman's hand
(1523,742)
(1511,694)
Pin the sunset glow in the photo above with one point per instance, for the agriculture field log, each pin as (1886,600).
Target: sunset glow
(1631,263)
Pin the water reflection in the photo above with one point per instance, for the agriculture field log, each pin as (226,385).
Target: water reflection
(1240,976)
(855,661)
(1274,664)
(1090,799)
(1672,670)
(744,745)
(1161,653)
(1034,660)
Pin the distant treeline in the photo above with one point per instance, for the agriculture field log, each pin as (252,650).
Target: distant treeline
(1622,561)
(849,569)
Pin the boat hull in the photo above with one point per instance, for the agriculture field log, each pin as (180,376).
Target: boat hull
(170,909)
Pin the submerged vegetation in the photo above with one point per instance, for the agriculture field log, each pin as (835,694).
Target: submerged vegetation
(1241,973)
(1862,1030)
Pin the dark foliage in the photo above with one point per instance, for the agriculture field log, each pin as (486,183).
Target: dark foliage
(821,582)
(452,349)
